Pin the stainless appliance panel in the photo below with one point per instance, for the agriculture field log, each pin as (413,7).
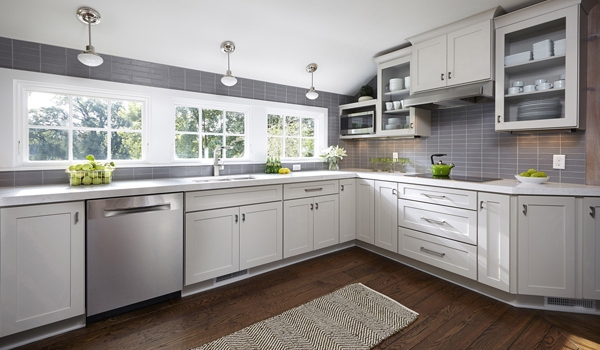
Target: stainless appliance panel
(360,123)
(134,250)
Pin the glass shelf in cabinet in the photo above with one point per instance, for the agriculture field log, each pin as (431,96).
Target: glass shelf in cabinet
(542,63)
(550,93)
(397,92)
(398,111)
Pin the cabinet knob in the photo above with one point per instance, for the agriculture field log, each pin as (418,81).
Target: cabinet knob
(442,77)
(395,192)
(412,125)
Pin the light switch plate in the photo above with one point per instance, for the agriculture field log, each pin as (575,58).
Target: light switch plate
(395,155)
(558,161)
(296,167)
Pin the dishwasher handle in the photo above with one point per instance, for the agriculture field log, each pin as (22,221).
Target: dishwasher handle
(110,212)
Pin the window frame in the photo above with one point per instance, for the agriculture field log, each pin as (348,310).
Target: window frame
(22,120)
(320,126)
(225,107)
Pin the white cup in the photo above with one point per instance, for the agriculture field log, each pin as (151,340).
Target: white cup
(517,83)
(540,82)
(563,76)
(397,104)
(559,84)
(515,90)
(407,82)
(389,106)
(530,88)
(545,86)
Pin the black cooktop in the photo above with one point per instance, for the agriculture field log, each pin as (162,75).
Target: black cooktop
(456,177)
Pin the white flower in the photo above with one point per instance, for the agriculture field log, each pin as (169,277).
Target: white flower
(332,154)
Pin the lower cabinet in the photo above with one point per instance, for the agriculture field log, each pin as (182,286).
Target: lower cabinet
(42,265)
(365,210)
(347,210)
(310,223)
(493,240)
(546,246)
(591,248)
(386,215)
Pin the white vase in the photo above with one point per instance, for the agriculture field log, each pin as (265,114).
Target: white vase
(364,98)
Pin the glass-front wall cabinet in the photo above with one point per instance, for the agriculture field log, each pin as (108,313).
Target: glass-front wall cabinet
(538,70)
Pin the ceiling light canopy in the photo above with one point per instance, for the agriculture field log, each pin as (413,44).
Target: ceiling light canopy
(91,17)
(228,79)
(311,94)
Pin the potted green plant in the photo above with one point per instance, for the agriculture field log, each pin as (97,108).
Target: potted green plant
(366,93)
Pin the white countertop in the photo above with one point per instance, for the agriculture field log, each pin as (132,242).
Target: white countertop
(12,196)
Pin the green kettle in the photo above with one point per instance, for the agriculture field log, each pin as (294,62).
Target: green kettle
(440,169)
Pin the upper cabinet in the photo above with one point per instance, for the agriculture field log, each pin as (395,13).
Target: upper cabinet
(452,55)
(539,53)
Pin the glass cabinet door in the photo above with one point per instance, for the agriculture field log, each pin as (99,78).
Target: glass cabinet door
(537,72)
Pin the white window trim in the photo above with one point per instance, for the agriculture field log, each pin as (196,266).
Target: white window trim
(22,118)
(204,104)
(320,130)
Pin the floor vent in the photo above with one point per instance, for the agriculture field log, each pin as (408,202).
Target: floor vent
(569,304)
(231,275)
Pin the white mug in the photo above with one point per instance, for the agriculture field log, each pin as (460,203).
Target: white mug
(540,82)
(515,90)
(546,86)
(517,83)
(559,84)
(530,88)
(563,76)
(407,83)
(397,104)
(389,106)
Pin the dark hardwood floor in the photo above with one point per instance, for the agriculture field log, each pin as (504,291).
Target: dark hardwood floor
(450,317)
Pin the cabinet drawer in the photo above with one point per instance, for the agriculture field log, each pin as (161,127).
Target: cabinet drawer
(310,189)
(229,197)
(448,222)
(438,195)
(449,255)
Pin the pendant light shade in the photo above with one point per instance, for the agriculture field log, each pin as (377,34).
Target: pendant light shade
(89,57)
(228,79)
(311,94)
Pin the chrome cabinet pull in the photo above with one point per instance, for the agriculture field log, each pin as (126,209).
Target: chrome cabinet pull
(236,218)
(243,217)
(433,196)
(449,77)
(77,217)
(441,222)
(593,212)
(342,188)
(441,255)
(498,119)
(132,210)
(317,206)
(311,206)
(313,189)
(525,209)
(442,76)
(412,125)
(481,205)
(395,192)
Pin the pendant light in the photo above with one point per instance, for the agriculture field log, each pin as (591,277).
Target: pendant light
(228,79)
(91,17)
(311,94)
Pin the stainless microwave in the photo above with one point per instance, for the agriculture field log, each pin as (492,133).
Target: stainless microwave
(359,123)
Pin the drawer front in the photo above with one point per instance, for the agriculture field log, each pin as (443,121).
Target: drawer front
(310,189)
(438,195)
(449,255)
(229,197)
(448,222)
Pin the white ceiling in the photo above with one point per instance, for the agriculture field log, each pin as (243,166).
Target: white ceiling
(275,39)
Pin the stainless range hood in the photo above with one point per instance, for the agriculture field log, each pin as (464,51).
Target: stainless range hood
(465,95)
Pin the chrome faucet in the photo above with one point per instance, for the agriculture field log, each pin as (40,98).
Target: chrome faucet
(219,163)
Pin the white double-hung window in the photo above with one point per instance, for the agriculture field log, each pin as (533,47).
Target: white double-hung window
(295,135)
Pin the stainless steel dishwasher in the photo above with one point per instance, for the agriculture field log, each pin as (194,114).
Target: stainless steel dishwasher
(134,252)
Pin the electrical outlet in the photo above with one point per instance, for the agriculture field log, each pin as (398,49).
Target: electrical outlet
(296,167)
(558,161)
(395,155)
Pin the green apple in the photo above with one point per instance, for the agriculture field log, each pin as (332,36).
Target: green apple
(78,166)
(106,180)
(531,171)
(539,174)
(524,174)
(86,180)
(75,181)
(97,181)
(72,167)
(86,167)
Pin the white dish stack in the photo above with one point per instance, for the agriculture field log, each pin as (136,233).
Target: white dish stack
(543,49)
(517,58)
(396,84)
(534,110)
(559,47)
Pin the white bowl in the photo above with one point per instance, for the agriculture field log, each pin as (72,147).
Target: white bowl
(532,180)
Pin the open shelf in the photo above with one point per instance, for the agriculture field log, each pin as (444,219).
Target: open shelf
(538,64)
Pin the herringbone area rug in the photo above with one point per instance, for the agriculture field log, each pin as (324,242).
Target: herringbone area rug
(353,317)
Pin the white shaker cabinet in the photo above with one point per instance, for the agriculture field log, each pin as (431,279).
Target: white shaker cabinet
(591,248)
(42,276)
(347,210)
(386,215)
(546,246)
(261,234)
(493,240)
(365,210)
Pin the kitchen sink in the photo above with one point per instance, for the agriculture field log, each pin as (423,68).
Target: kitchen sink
(222,178)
